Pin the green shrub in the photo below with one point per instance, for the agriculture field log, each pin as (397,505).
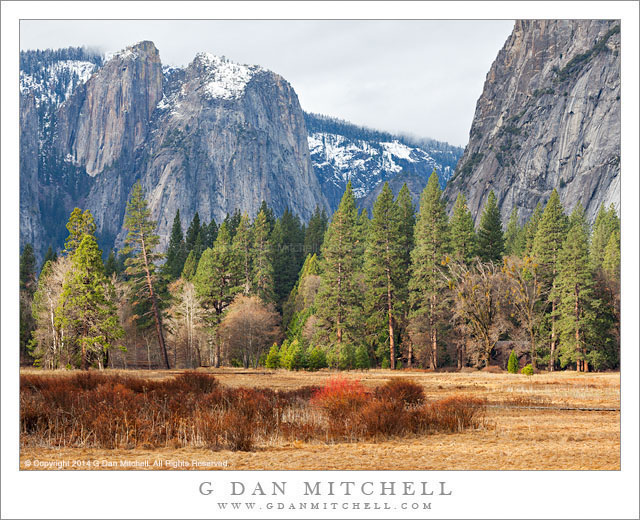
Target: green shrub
(527,370)
(512,365)
(385,363)
(316,359)
(273,358)
(362,358)
(347,357)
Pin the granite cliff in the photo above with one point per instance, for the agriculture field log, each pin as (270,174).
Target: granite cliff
(548,117)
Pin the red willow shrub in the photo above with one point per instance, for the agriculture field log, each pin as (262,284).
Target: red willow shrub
(193,409)
(341,400)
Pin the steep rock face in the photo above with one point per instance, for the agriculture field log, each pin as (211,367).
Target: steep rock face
(548,117)
(30,224)
(227,136)
(106,119)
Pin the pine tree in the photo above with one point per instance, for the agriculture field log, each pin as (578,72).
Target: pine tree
(464,242)
(176,252)
(611,258)
(514,240)
(28,287)
(217,281)
(268,213)
(287,244)
(193,231)
(262,274)
(531,228)
(242,249)
(110,266)
(86,307)
(79,224)
(190,266)
(232,222)
(339,298)
(314,234)
(606,222)
(209,234)
(382,270)
(574,286)
(140,243)
(550,234)
(490,237)
(427,259)
(407,222)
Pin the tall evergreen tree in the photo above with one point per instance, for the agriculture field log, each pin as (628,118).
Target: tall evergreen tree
(574,287)
(490,237)
(217,281)
(269,216)
(209,237)
(85,306)
(79,224)
(262,274)
(427,259)
(287,243)
(141,243)
(382,269)
(550,234)
(232,222)
(407,218)
(242,249)
(514,240)
(190,266)
(176,252)
(314,234)
(27,279)
(605,224)
(464,242)
(611,258)
(531,228)
(339,298)
(192,233)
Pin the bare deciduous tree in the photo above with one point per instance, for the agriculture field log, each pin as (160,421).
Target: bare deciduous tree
(248,329)
(479,300)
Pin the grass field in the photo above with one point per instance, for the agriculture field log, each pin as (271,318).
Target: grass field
(556,421)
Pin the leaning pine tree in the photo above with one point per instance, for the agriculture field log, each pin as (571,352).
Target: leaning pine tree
(427,260)
(383,269)
(140,244)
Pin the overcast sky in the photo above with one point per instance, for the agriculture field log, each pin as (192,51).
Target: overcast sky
(415,76)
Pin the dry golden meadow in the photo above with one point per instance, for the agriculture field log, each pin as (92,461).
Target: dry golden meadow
(551,421)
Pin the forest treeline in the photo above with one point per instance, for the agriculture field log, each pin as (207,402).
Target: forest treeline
(397,289)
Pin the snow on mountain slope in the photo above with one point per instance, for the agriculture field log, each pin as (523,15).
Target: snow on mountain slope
(342,152)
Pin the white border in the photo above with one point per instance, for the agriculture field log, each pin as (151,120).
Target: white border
(174,495)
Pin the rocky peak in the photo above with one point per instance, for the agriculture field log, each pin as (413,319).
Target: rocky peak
(107,118)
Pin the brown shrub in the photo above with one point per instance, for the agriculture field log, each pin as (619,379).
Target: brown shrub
(401,390)
(453,414)
(384,418)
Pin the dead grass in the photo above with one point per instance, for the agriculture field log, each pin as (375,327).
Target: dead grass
(515,435)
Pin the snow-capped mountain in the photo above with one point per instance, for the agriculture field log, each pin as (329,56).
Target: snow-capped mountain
(343,152)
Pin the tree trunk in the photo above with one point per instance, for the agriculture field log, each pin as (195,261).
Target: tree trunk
(433,335)
(392,344)
(553,338)
(410,357)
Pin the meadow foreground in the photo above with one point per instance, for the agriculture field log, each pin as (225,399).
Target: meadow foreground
(559,421)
